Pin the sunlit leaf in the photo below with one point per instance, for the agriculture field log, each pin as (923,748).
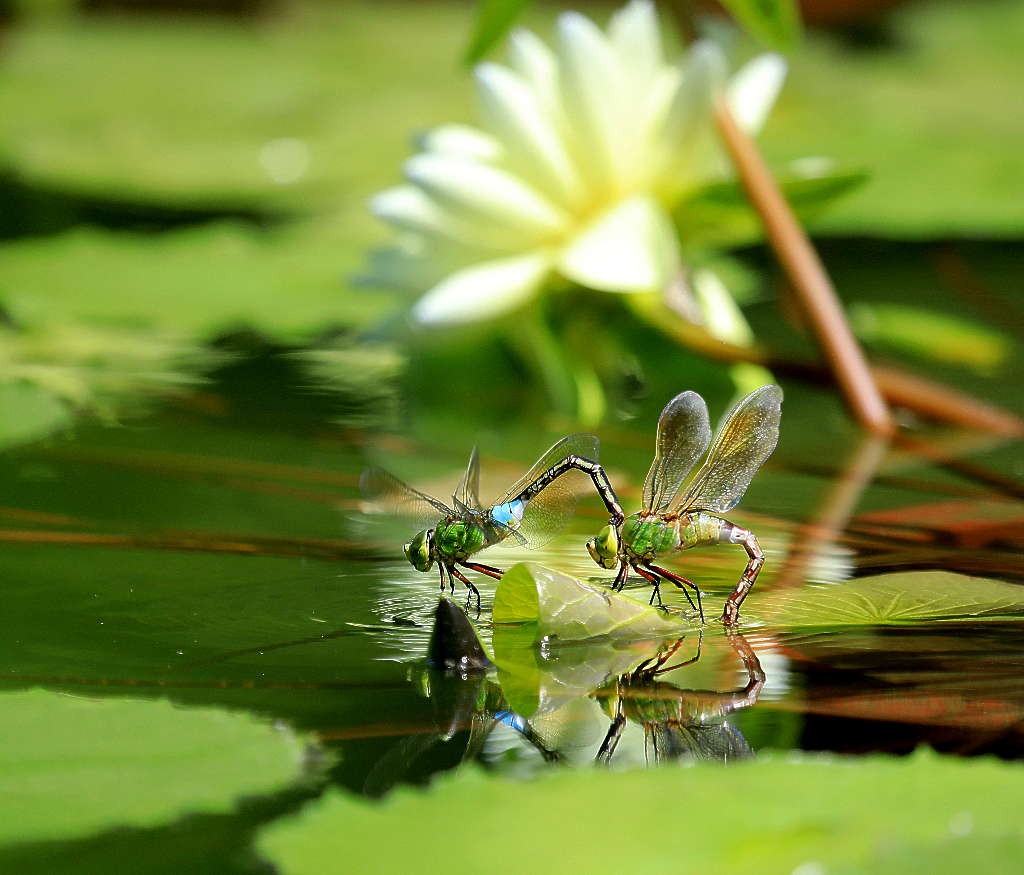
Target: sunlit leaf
(71,766)
(839,815)
(774,22)
(562,607)
(891,599)
(494,18)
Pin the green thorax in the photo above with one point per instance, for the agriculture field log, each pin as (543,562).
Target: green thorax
(458,539)
(647,536)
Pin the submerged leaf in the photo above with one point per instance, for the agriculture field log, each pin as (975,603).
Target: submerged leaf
(70,767)
(565,608)
(892,599)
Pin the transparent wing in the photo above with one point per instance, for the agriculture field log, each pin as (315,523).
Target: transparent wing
(547,514)
(467,493)
(391,495)
(745,440)
(684,433)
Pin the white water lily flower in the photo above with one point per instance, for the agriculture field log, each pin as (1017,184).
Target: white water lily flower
(582,152)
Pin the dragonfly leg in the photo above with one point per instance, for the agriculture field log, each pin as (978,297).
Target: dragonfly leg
(612,736)
(621,577)
(661,669)
(596,472)
(680,582)
(733,534)
(651,578)
(473,591)
(440,569)
(661,658)
(489,570)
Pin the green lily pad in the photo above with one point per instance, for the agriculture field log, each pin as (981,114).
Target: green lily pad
(70,767)
(839,815)
(892,599)
(562,607)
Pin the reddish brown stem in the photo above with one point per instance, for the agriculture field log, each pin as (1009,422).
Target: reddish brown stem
(799,259)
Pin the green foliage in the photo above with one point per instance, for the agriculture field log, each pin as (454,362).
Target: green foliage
(891,600)
(776,23)
(923,333)
(494,18)
(562,607)
(839,815)
(71,766)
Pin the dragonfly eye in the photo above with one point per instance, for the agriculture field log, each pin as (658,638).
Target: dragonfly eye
(604,549)
(417,551)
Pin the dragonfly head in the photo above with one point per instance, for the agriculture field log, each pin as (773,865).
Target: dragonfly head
(419,551)
(604,549)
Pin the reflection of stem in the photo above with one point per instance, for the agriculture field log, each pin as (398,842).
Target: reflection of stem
(834,510)
(801,263)
(542,351)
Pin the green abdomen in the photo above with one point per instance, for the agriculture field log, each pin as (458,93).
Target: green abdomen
(458,540)
(647,538)
(699,529)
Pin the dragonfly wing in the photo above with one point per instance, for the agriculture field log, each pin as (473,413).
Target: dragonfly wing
(390,495)
(684,433)
(746,439)
(467,493)
(547,513)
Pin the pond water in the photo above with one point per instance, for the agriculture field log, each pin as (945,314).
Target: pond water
(214,556)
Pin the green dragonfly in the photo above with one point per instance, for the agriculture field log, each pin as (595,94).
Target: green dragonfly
(529,514)
(670,521)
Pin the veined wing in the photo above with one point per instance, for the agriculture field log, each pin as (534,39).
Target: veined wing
(467,493)
(684,434)
(393,496)
(745,440)
(546,514)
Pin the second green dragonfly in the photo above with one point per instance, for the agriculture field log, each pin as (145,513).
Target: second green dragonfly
(670,522)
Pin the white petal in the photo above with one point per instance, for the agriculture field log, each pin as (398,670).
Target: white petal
(483,291)
(753,90)
(591,93)
(479,193)
(633,31)
(461,140)
(407,207)
(535,62)
(513,112)
(630,248)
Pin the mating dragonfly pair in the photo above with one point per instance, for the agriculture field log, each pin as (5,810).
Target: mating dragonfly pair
(672,518)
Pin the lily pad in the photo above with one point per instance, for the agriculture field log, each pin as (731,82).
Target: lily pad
(70,767)
(893,599)
(844,815)
(562,607)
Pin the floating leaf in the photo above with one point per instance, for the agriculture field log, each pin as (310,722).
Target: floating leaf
(562,607)
(839,815)
(892,599)
(774,22)
(70,767)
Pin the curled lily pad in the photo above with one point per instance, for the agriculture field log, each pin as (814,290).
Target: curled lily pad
(562,607)
(893,599)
